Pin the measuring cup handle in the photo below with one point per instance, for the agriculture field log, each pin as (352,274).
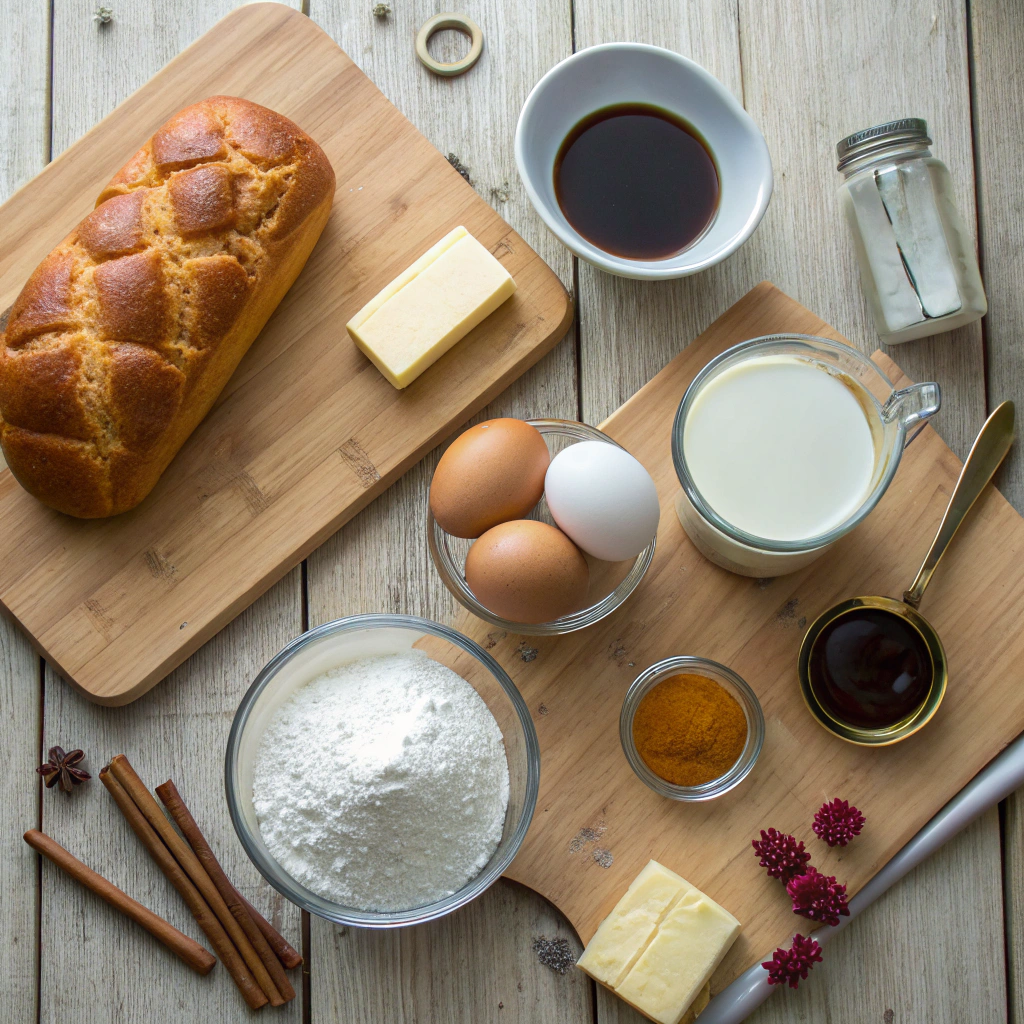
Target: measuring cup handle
(912,405)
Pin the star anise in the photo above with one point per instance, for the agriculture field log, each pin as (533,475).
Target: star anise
(61,768)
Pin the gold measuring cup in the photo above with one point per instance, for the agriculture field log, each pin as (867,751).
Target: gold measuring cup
(989,450)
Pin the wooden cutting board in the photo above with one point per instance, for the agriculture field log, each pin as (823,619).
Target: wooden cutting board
(596,824)
(307,432)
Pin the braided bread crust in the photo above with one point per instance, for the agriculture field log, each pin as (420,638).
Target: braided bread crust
(126,333)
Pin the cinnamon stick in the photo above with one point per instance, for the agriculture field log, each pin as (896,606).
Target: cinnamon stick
(206,919)
(143,799)
(199,959)
(172,800)
(287,954)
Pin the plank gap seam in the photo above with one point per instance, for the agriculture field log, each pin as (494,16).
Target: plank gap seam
(972,96)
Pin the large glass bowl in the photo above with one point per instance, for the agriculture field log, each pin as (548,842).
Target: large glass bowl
(362,636)
(610,582)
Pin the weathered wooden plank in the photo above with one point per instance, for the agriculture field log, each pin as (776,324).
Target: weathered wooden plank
(998,39)
(897,956)
(94,967)
(855,65)
(180,732)
(1013,881)
(463,968)
(804,104)
(475,965)
(24,149)
(847,984)
(844,67)
(19,796)
(629,329)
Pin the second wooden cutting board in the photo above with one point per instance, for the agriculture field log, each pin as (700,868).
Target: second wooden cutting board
(307,432)
(596,824)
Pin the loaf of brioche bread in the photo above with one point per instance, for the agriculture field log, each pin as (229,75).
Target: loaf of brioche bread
(127,332)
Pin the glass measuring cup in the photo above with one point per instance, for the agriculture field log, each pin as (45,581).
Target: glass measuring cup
(889,413)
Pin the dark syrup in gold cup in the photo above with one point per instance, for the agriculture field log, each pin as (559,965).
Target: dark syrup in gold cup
(872,669)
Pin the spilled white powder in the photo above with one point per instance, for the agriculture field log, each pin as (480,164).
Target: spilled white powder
(382,784)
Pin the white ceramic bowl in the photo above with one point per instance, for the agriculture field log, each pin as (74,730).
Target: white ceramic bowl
(613,73)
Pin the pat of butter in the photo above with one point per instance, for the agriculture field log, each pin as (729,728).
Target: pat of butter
(412,322)
(625,933)
(679,961)
(660,945)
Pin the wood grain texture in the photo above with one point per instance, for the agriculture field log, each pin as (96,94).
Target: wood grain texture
(859,65)
(846,67)
(1013,880)
(686,605)
(94,967)
(944,915)
(629,329)
(24,146)
(180,732)
(998,40)
(481,957)
(264,479)
(475,965)
(852,985)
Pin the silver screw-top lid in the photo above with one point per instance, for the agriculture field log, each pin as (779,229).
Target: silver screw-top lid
(881,136)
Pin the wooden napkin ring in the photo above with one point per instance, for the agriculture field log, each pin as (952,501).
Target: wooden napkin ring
(463,24)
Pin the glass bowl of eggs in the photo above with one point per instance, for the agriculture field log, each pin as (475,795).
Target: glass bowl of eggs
(541,526)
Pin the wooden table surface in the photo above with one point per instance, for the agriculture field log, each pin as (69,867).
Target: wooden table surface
(944,945)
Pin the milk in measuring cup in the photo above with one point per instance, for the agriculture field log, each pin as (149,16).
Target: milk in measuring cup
(780,448)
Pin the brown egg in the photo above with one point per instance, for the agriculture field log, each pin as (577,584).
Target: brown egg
(490,474)
(527,571)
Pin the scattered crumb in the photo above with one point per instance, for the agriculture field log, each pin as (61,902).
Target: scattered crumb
(501,192)
(603,857)
(460,167)
(802,621)
(183,625)
(887,1017)
(788,610)
(555,953)
(493,638)
(528,654)
(542,710)
(585,836)
(762,584)
(631,664)
(617,650)
(103,15)
(501,1006)
(381,10)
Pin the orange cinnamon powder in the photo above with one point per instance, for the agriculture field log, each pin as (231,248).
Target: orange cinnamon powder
(689,730)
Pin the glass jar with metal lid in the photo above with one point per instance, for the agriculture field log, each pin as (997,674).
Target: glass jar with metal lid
(918,265)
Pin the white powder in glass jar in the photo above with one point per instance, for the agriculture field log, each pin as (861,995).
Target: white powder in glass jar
(382,784)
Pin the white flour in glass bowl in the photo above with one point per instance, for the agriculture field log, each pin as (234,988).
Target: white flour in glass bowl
(382,784)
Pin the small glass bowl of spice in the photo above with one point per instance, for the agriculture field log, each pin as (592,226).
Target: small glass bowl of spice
(691,729)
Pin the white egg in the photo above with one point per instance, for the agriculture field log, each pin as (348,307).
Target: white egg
(603,499)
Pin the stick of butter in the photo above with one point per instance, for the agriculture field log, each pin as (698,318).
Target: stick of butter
(625,933)
(412,322)
(677,963)
(660,945)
